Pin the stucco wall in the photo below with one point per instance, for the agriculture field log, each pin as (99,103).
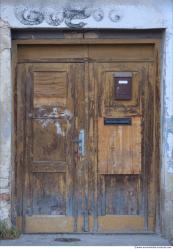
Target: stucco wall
(117,14)
(5,120)
(95,14)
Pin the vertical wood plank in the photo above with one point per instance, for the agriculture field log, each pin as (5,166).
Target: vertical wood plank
(20,134)
(14,180)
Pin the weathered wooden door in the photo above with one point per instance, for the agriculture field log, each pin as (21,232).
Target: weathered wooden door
(122,124)
(88,126)
(53,120)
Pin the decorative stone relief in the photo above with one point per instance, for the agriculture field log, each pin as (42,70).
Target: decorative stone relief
(53,17)
(74,14)
(29,16)
(114,17)
(98,15)
(71,17)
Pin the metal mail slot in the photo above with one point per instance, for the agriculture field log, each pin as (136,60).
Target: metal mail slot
(117,121)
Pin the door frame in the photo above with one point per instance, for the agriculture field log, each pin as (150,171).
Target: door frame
(17,211)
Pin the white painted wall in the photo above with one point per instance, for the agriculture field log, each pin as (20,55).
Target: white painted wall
(5,120)
(133,13)
(117,14)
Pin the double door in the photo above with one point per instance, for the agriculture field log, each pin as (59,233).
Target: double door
(88,144)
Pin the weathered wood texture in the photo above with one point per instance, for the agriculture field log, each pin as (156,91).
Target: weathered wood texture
(132,51)
(115,178)
(120,195)
(119,148)
(50,88)
(54,34)
(49,194)
(125,152)
(49,175)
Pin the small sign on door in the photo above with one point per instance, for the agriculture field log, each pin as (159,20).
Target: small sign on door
(123,82)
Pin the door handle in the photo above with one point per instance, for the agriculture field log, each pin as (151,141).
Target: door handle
(81,142)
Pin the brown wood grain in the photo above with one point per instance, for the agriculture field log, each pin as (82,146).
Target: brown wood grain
(119,148)
(20,138)
(116,176)
(123,195)
(49,195)
(125,151)
(121,52)
(50,134)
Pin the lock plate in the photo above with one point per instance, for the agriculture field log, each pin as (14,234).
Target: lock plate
(82,142)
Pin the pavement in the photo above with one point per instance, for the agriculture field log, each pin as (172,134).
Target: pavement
(87,240)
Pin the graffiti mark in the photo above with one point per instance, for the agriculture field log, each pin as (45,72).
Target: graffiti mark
(47,117)
(59,130)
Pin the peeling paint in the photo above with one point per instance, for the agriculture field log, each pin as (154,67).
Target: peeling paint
(47,118)
(170,166)
(67,114)
(168,148)
(59,129)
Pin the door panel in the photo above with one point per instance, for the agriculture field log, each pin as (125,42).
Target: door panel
(119,148)
(122,171)
(49,195)
(50,150)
